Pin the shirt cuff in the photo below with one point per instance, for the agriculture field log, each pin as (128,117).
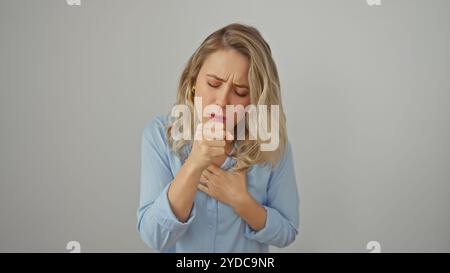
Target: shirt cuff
(164,215)
(270,229)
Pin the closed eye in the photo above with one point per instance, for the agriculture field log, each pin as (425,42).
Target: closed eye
(213,85)
(241,94)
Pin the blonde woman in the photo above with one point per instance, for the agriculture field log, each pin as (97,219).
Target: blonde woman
(209,194)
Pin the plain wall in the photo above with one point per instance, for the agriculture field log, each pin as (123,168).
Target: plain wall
(366,90)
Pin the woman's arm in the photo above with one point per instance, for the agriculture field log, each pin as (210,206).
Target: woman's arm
(281,206)
(252,213)
(167,203)
(182,190)
(230,187)
(276,221)
(157,225)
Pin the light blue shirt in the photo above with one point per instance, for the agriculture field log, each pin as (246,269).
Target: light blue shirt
(212,226)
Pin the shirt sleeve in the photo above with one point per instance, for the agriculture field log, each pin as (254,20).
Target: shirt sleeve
(157,224)
(282,206)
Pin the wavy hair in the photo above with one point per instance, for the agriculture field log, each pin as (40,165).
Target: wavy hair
(264,88)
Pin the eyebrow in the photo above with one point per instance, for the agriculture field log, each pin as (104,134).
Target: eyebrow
(222,80)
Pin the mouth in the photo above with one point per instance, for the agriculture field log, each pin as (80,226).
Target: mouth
(217,118)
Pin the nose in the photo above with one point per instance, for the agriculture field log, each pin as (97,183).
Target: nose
(222,96)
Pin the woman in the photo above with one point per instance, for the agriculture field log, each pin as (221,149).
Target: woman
(220,194)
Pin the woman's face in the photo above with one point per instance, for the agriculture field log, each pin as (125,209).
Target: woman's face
(222,80)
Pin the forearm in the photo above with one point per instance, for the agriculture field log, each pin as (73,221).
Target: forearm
(182,191)
(252,213)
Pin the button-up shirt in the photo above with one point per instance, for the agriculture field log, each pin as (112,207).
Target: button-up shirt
(212,226)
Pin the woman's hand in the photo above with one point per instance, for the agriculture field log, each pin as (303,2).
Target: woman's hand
(228,187)
(206,148)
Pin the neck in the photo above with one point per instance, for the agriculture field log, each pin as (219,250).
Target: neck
(228,146)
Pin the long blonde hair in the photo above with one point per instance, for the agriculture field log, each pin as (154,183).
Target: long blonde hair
(264,88)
